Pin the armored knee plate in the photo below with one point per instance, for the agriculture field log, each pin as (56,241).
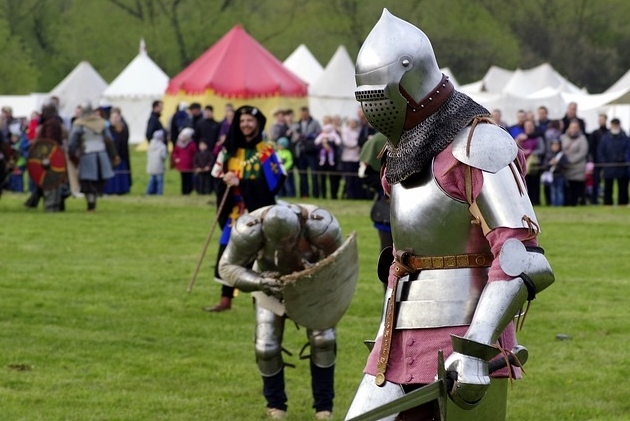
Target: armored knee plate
(268,342)
(323,347)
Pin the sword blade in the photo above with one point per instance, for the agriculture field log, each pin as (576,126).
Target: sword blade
(418,397)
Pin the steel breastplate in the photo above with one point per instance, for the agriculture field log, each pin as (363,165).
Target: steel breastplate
(428,222)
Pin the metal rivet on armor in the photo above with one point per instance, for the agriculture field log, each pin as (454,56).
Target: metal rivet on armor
(405,62)
(437,92)
(430,99)
(422,106)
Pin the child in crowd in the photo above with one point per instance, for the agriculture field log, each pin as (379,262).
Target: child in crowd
(156,157)
(203,162)
(328,140)
(286,158)
(19,144)
(183,156)
(553,176)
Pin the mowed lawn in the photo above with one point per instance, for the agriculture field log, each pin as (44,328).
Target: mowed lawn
(96,322)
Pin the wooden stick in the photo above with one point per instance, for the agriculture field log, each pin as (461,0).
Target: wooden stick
(208,239)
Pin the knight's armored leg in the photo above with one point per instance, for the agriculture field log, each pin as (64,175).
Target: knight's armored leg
(268,346)
(323,356)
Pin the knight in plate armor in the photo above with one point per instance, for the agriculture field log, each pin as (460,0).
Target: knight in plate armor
(466,258)
(289,244)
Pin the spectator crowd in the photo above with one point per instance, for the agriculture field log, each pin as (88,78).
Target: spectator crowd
(566,165)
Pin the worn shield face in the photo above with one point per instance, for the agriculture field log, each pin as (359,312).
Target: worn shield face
(317,297)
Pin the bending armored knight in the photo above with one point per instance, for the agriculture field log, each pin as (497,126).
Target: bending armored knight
(303,270)
(466,258)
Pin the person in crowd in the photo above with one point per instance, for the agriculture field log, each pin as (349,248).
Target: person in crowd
(575,148)
(154,124)
(519,126)
(5,161)
(104,110)
(306,152)
(182,158)
(121,182)
(367,130)
(533,146)
(207,129)
(553,132)
(279,127)
(370,176)
(196,114)
(19,144)
(179,120)
(328,142)
(554,165)
(283,149)
(226,123)
(542,120)
(445,164)
(350,151)
(593,155)
(612,153)
(71,162)
(7,120)
(50,127)
(570,115)
(156,164)
(202,164)
(33,123)
(284,239)
(249,175)
(88,142)
(497,117)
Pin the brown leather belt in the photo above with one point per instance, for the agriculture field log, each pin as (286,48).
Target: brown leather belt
(406,263)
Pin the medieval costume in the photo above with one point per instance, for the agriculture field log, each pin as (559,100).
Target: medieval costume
(285,239)
(260,176)
(465,257)
(90,143)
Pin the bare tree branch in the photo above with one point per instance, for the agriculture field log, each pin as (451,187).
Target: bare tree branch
(136,12)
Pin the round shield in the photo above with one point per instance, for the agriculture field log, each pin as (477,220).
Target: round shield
(46,164)
(317,297)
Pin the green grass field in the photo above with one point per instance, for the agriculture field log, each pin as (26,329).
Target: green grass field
(96,323)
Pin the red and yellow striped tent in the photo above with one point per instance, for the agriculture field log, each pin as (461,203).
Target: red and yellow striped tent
(238,70)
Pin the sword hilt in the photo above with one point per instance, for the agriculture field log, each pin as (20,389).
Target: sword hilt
(517,357)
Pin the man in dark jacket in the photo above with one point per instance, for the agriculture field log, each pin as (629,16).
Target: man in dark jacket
(154,124)
(614,148)
(207,129)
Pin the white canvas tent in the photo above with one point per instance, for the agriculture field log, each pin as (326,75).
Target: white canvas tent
(511,91)
(304,65)
(23,106)
(139,84)
(620,106)
(82,84)
(333,92)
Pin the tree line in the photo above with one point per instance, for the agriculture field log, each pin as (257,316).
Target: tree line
(43,40)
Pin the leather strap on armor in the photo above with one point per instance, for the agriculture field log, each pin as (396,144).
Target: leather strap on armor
(417,112)
(406,263)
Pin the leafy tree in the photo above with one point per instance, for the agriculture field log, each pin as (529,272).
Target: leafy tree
(17,71)
(585,40)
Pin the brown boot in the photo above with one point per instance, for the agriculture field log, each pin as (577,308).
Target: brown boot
(224,304)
